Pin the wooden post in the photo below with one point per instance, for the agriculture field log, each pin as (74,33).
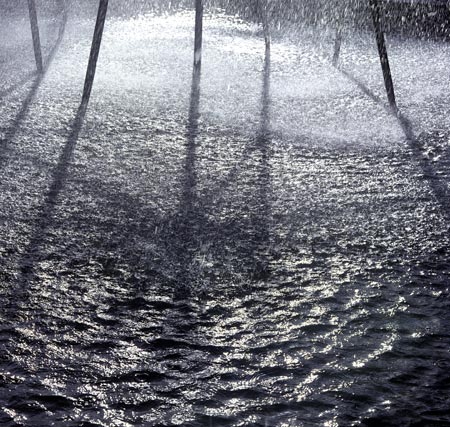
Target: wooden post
(95,49)
(198,43)
(35,34)
(382,51)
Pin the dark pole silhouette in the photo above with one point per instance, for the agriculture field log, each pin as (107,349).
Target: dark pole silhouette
(192,130)
(382,51)
(340,19)
(262,238)
(264,134)
(189,214)
(337,47)
(95,49)
(16,123)
(264,11)
(35,34)
(198,43)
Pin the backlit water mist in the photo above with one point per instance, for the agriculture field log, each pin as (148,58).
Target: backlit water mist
(257,244)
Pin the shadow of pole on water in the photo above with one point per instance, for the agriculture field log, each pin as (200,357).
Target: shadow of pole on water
(253,234)
(44,220)
(249,238)
(189,216)
(193,226)
(16,123)
(25,107)
(263,177)
(11,89)
(263,137)
(363,88)
(439,188)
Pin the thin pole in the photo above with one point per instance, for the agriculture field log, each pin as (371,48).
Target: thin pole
(337,47)
(264,11)
(198,33)
(95,49)
(340,20)
(35,34)
(382,51)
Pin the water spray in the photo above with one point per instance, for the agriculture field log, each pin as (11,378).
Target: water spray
(382,52)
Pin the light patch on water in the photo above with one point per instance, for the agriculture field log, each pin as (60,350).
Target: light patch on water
(384,347)
(149,59)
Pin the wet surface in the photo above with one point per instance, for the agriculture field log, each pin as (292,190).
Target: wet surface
(258,245)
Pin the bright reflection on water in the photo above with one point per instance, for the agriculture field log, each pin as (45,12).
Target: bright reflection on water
(279,258)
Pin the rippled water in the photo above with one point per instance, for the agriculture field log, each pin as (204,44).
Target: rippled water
(260,248)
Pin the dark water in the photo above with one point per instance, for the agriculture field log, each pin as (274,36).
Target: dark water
(259,246)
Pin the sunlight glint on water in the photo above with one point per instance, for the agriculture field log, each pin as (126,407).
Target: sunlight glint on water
(304,278)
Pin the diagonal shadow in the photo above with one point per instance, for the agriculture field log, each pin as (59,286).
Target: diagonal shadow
(11,89)
(25,107)
(44,220)
(440,189)
(363,88)
(16,123)
(233,173)
(179,330)
(252,146)
(194,227)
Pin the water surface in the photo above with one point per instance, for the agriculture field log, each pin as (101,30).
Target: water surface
(258,247)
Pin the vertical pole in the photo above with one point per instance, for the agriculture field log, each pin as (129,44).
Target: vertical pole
(382,51)
(337,47)
(35,34)
(95,49)
(63,5)
(340,21)
(264,11)
(198,34)
(265,100)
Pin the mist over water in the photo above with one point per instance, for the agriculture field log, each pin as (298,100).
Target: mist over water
(255,244)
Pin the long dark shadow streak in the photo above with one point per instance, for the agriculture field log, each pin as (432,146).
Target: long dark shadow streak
(264,181)
(256,249)
(189,216)
(11,89)
(181,321)
(250,148)
(44,220)
(59,175)
(23,112)
(439,188)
